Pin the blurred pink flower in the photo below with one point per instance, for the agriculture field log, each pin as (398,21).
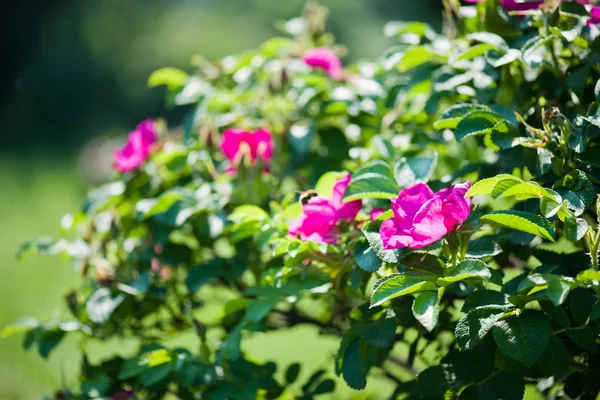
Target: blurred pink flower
(320,215)
(521,5)
(123,395)
(325,59)
(422,217)
(237,144)
(138,147)
(594,16)
(376,213)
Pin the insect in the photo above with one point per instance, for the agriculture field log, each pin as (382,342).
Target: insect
(306,196)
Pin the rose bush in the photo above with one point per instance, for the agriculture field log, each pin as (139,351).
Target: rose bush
(458,257)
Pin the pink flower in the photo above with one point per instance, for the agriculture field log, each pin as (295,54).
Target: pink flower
(422,217)
(238,144)
(521,5)
(320,215)
(376,213)
(325,59)
(594,16)
(137,148)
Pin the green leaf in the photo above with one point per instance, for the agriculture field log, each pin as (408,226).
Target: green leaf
(426,309)
(415,56)
(597,90)
(485,186)
(351,367)
(20,326)
(371,185)
(577,190)
(474,51)
(48,340)
(530,48)
(477,122)
(199,276)
(291,374)
(584,338)
(483,247)
(96,386)
(398,285)
(555,359)
(472,328)
(366,258)
(488,37)
(589,275)
(387,256)
(409,171)
(522,221)
(327,386)
(154,375)
(172,77)
(523,337)
(453,115)
(520,190)
(101,304)
(248,211)
(503,385)
(467,269)
(575,228)
(326,182)
(484,297)
(423,262)
(379,333)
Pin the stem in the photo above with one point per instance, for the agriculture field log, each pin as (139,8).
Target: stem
(594,250)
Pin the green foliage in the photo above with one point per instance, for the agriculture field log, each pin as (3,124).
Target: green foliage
(505,295)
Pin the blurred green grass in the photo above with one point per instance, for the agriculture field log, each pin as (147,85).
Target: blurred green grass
(35,193)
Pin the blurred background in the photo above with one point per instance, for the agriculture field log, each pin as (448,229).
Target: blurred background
(74,75)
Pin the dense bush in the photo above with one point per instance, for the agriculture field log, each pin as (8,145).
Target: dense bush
(449,238)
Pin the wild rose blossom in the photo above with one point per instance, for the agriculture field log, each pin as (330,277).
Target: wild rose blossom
(376,213)
(138,147)
(325,59)
(321,214)
(422,217)
(236,144)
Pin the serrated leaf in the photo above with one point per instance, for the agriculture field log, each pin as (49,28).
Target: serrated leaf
(453,115)
(409,171)
(467,269)
(472,328)
(415,56)
(522,221)
(483,298)
(423,262)
(485,186)
(371,185)
(577,190)
(426,309)
(388,256)
(366,258)
(483,247)
(503,385)
(397,285)
(379,333)
(575,228)
(351,367)
(523,337)
(477,122)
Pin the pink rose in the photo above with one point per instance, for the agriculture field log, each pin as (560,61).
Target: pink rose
(516,5)
(422,217)
(320,215)
(138,147)
(325,59)
(236,144)
(594,16)
(376,213)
